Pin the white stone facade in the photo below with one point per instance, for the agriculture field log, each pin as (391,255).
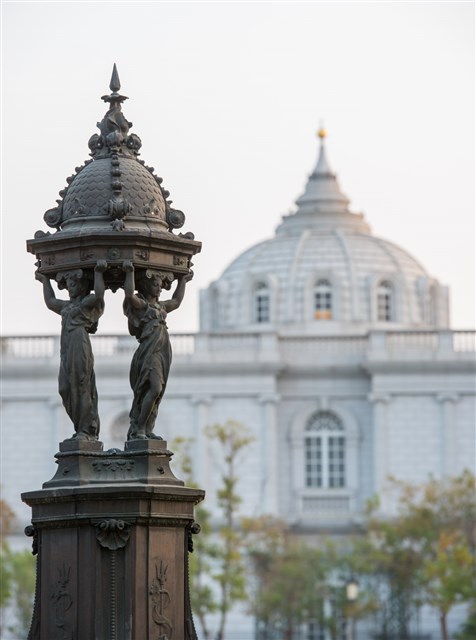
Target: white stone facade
(405,400)
(323,338)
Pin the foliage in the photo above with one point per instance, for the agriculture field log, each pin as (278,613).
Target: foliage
(22,565)
(427,552)
(17,579)
(288,588)
(423,555)
(6,518)
(205,550)
(301,584)
(232,437)
(219,556)
(468,629)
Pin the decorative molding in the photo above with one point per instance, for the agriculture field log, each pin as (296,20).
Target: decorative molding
(192,530)
(179,261)
(269,398)
(113,534)
(86,254)
(376,398)
(113,253)
(142,254)
(112,469)
(32,532)
(190,631)
(447,397)
(204,400)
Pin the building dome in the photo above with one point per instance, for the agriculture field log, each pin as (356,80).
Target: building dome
(324,272)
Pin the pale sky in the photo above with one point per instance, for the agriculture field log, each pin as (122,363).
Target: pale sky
(227,98)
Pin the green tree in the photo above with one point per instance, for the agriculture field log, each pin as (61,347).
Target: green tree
(298,584)
(218,555)
(6,518)
(468,629)
(22,565)
(17,579)
(233,437)
(441,517)
(205,549)
(427,551)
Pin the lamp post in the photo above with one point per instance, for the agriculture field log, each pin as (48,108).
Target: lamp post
(352,594)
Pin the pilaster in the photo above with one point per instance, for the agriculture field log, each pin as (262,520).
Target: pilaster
(269,459)
(381,442)
(449,432)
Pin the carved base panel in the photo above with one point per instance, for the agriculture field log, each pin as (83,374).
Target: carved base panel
(112,561)
(142,462)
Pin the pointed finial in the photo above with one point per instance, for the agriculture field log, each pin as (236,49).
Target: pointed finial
(115,83)
(114,86)
(321,133)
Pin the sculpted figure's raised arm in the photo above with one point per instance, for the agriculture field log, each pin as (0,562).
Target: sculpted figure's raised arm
(79,317)
(151,362)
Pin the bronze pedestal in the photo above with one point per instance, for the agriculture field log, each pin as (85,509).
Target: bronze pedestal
(113,531)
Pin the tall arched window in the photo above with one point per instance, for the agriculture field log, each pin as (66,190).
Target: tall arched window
(262,303)
(323,300)
(385,301)
(325,451)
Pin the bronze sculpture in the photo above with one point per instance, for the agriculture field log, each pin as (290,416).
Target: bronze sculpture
(114,212)
(79,317)
(109,521)
(151,362)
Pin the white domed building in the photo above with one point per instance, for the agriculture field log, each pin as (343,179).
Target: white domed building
(324,273)
(331,345)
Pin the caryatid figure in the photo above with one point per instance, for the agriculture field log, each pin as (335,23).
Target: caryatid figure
(151,362)
(79,317)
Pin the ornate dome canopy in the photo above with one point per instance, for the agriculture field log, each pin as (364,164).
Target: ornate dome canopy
(323,272)
(91,191)
(114,208)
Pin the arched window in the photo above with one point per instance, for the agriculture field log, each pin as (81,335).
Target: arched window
(323,300)
(262,303)
(325,451)
(385,301)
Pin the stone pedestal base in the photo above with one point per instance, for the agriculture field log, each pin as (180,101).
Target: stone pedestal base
(113,530)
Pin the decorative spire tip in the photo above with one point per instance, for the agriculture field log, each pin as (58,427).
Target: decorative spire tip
(114,86)
(115,83)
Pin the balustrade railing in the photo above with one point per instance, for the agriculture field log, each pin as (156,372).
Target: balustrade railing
(326,505)
(464,341)
(301,348)
(29,346)
(415,341)
(248,347)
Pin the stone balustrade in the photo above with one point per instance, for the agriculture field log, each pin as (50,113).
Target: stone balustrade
(264,347)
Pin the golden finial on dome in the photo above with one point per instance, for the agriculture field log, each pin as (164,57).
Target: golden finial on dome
(322,133)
